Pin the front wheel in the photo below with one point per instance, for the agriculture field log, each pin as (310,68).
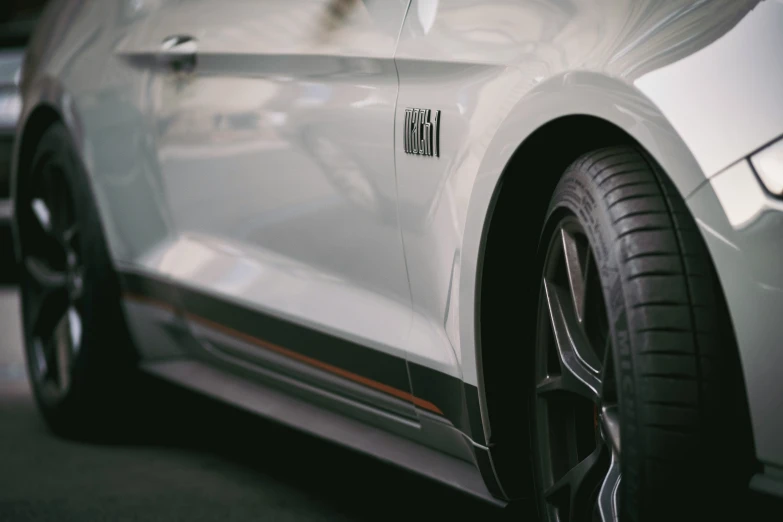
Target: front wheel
(632,374)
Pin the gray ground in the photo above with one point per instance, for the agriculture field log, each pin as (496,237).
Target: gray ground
(194,460)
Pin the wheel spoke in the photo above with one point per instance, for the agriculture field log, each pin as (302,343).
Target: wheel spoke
(52,209)
(69,234)
(577,264)
(43,216)
(41,362)
(77,284)
(62,352)
(75,329)
(52,284)
(576,488)
(550,384)
(577,359)
(574,362)
(608,495)
(49,297)
(608,381)
(46,219)
(55,193)
(610,427)
(47,278)
(48,241)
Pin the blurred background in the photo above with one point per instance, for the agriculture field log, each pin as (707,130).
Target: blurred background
(17,19)
(187,458)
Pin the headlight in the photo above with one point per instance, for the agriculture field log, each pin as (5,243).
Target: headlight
(768,164)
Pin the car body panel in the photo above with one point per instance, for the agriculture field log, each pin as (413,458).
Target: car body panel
(386,254)
(499,71)
(305,415)
(102,101)
(496,84)
(742,226)
(276,159)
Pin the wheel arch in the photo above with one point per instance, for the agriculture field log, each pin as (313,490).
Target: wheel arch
(29,133)
(46,101)
(532,148)
(40,118)
(497,276)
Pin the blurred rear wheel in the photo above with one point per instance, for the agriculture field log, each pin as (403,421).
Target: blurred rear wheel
(80,361)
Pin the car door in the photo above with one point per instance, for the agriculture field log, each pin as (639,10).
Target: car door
(274,125)
(107,75)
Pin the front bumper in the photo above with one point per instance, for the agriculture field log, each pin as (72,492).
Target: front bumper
(742,225)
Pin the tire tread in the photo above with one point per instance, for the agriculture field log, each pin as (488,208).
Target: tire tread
(673,306)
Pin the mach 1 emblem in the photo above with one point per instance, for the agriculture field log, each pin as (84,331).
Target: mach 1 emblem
(421,133)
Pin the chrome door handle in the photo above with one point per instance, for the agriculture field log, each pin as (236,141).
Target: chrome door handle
(179,52)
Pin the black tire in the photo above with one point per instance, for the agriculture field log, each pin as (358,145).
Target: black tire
(668,367)
(79,357)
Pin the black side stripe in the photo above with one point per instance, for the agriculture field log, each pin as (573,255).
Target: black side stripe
(432,391)
(458,400)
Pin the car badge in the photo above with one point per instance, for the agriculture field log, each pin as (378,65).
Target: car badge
(421,133)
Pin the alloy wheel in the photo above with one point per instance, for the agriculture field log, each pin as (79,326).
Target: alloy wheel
(52,281)
(576,408)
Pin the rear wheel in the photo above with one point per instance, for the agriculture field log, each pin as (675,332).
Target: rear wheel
(78,355)
(634,369)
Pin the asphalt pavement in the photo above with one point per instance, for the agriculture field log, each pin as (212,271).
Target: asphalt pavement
(192,459)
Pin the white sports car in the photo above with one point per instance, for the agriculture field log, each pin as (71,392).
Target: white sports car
(529,248)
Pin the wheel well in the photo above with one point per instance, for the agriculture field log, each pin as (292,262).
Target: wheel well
(516,217)
(42,117)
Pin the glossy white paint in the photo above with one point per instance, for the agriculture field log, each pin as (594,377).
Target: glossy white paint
(500,70)
(276,157)
(275,174)
(741,196)
(742,227)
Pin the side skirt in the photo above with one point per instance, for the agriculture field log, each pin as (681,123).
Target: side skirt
(320,422)
(248,348)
